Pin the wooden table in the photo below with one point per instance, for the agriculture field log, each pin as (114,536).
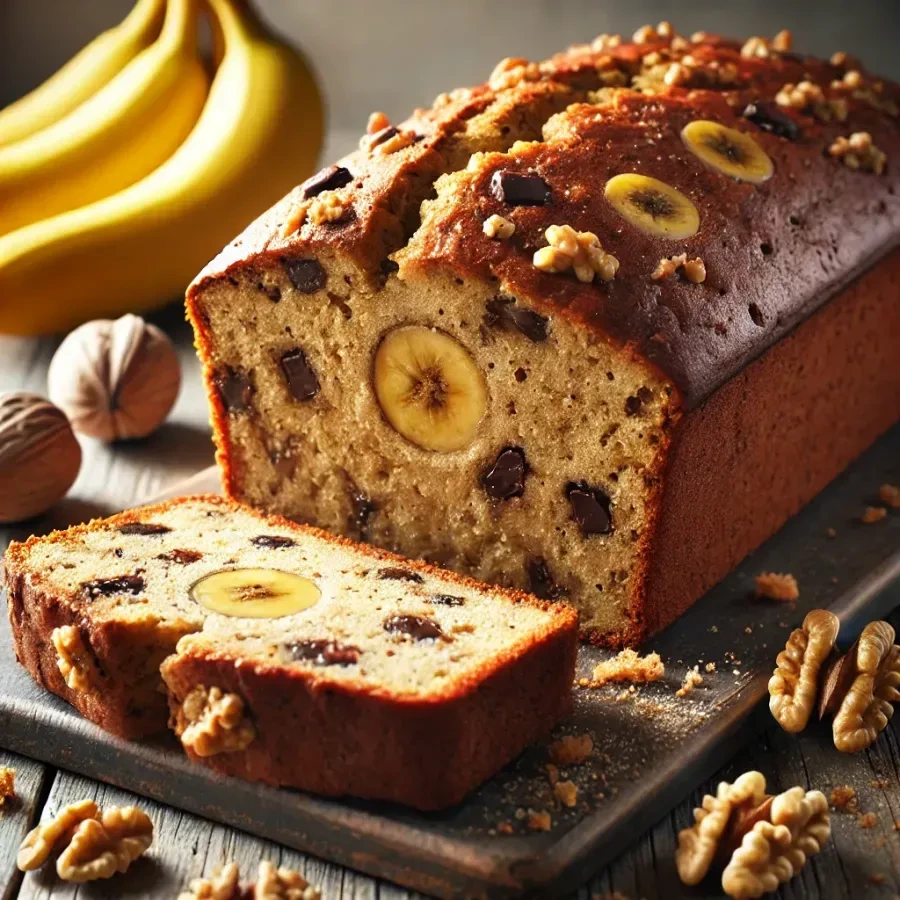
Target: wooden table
(862,860)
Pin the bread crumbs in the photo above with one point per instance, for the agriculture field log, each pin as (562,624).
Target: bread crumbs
(7,784)
(877,878)
(775,586)
(869,820)
(844,798)
(566,793)
(873,514)
(889,495)
(691,679)
(830,532)
(710,667)
(504,828)
(552,773)
(539,820)
(628,666)
(571,750)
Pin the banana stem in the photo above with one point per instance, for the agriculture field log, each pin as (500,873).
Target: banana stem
(180,26)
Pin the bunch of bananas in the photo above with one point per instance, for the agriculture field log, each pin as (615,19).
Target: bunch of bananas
(128,169)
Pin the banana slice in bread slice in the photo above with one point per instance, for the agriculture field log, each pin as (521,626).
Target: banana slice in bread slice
(289,656)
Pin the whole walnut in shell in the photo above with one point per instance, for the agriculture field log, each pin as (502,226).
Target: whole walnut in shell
(39,456)
(115,379)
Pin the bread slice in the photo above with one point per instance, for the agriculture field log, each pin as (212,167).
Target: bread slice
(359,673)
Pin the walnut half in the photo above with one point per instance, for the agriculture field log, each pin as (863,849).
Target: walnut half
(765,839)
(42,840)
(282,884)
(794,685)
(75,661)
(223,885)
(210,721)
(99,848)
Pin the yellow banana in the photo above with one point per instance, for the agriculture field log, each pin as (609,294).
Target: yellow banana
(83,75)
(259,134)
(115,138)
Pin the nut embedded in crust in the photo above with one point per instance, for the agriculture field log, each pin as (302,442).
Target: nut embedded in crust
(210,721)
(497,227)
(692,269)
(75,661)
(577,250)
(858,152)
(793,687)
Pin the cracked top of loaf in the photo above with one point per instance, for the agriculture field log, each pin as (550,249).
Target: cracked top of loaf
(773,241)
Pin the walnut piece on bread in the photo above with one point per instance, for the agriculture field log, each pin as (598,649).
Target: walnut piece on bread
(100,848)
(210,721)
(75,661)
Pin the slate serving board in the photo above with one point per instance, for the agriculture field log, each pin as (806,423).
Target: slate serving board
(650,747)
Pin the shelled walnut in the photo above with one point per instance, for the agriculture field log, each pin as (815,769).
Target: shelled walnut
(858,687)
(75,661)
(42,840)
(99,848)
(765,839)
(211,721)
(282,884)
(224,884)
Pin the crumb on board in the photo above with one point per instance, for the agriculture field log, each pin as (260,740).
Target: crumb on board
(710,667)
(691,679)
(869,820)
(880,783)
(873,514)
(566,793)
(628,666)
(504,828)
(552,773)
(777,586)
(844,798)
(889,495)
(831,532)
(571,750)
(539,820)
(7,784)
(748,629)
(877,878)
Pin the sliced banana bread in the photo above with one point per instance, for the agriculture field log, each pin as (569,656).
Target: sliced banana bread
(290,656)
(599,353)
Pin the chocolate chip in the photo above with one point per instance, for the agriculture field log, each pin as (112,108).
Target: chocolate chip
(386,268)
(307,275)
(769,117)
(396,574)
(272,541)
(506,477)
(634,403)
(182,557)
(324,652)
(590,508)
(381,136)
(417,627)
(361,510)
(329,179)
(107,587)
(502,312)
(234,388)
(540,581)
(300,376)
(143,528)
(445,600)
(519,190)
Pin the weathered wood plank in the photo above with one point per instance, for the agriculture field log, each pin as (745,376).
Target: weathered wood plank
(18,815)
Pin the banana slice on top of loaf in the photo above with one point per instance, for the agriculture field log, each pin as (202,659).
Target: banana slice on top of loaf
(289,656)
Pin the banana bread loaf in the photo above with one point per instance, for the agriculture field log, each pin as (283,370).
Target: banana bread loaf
(594,329)
(290,656)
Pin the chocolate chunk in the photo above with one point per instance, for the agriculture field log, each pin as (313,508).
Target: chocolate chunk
(417,627)
(769,117)
(329,179)
(143,528)
(307,275)
(272,541)
(590,508)
(381,136)
(300,376)
(502,312)
(506,477)
(361,510)
(540,581)
(182,557)
(519,190)
(234,387)
(324,652)
(396,574)
(107,587)
(634,403)
(386,268)
(445,600)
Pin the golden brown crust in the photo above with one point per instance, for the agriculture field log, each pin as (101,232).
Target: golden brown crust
(427,754)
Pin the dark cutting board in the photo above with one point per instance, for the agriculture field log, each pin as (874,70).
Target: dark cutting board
(651,748)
